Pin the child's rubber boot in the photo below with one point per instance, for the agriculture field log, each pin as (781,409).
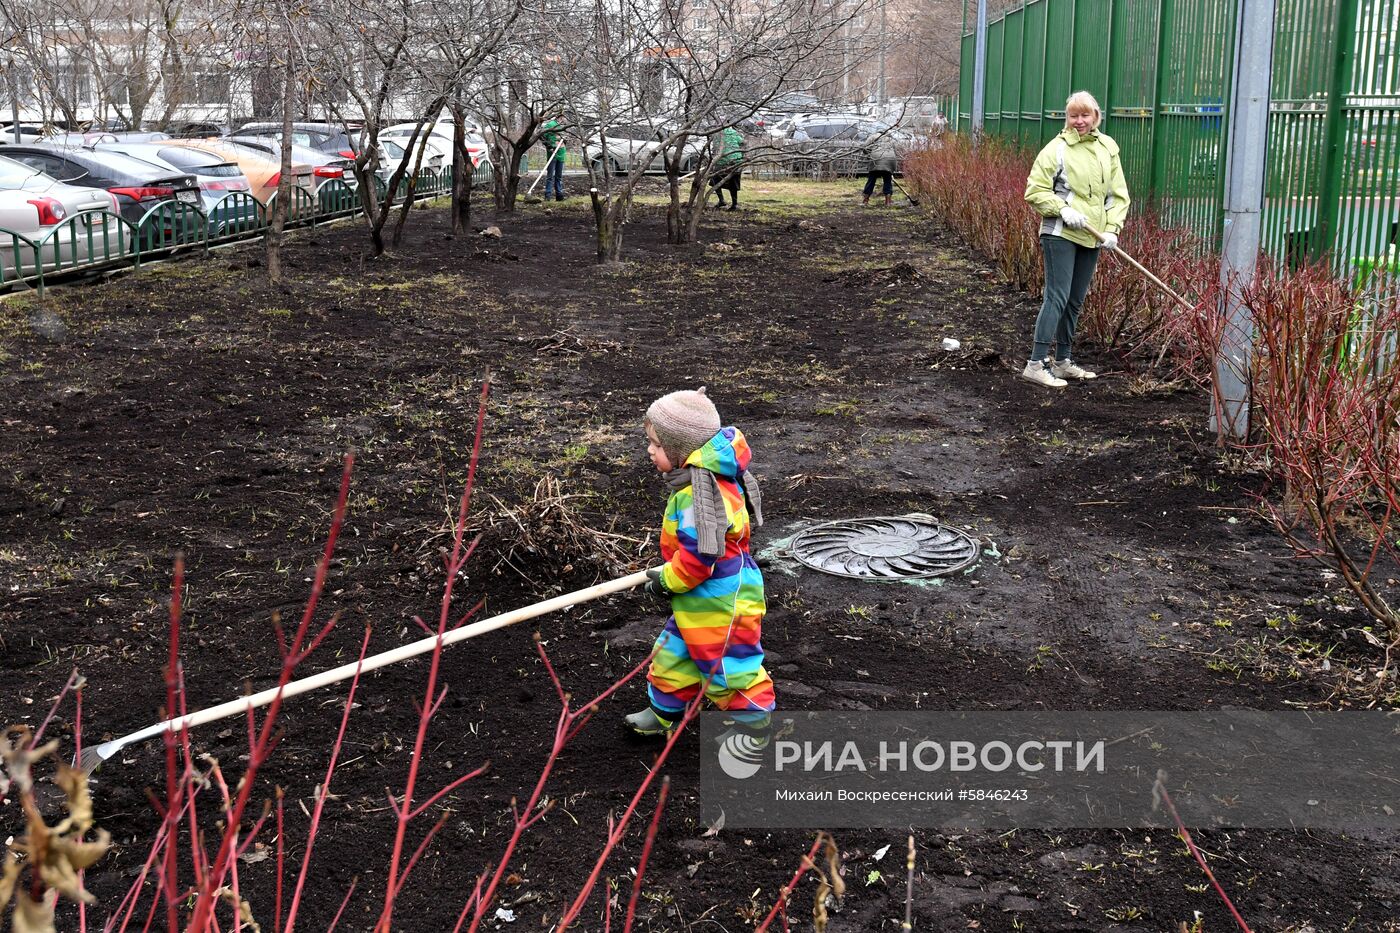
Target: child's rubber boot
(647,723)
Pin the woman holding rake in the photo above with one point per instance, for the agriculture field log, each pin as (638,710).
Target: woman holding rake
(1076,185)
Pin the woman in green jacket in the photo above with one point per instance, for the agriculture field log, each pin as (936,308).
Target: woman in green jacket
(1076,183)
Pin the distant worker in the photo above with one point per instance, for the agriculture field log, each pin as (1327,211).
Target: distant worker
(552,136)
(1076,183)
(729,167)
(883,163)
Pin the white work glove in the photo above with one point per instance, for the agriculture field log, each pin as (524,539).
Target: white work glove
(1072,218)
(1110,241)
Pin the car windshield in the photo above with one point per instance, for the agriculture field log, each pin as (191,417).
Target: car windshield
(13,174)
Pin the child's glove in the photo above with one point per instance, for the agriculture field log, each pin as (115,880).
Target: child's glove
(654,586)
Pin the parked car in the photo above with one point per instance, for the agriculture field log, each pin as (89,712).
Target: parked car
(196,129)
(262,171)
(92,137)
(326,137)
(836,144)
(392,153)
(919,115)
(624,144)
(324,165)
(28,133)
(137,184)
(440,138)
(36,206)
(216,175)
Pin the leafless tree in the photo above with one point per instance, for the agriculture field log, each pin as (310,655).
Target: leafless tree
(684,71)
(532,77)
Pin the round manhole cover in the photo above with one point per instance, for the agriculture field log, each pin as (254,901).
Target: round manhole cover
(885,548)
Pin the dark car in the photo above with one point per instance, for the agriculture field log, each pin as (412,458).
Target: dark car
(138,185)
(326,137)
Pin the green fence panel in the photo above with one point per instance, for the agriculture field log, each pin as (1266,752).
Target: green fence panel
(170,225)
(1368,209)
(996,46)
(965,84)
(1012,62)
(1059,55)
(1091,42)
(336,198)
(1033,75)
(237,215)
(1132,87)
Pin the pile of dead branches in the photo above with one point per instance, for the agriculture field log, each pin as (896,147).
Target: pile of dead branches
(553,527)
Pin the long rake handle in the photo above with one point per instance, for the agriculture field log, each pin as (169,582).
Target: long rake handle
(1143,269)
(544,170)
(402,653)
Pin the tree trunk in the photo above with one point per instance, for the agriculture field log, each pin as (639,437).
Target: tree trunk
(507,186)
(409,195)
(461,173)
(608,218)
(280,208)
(675,224)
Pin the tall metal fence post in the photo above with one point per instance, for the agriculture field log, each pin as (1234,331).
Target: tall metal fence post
(979,74)
(1329,199)
(1246,149)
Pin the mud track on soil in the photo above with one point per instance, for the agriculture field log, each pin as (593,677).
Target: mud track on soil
(193,408)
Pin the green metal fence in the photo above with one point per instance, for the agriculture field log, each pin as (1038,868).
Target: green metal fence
(94,240)
(1162,69)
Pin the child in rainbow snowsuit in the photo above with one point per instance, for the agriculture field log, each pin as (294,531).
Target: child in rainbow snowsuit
(710,579)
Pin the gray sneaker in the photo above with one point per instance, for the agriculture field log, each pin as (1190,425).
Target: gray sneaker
(646,722)
(1036,372)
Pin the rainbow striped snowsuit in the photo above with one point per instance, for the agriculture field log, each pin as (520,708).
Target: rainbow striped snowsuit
(717,604)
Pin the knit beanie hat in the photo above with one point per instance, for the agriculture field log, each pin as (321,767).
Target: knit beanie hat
(683,421)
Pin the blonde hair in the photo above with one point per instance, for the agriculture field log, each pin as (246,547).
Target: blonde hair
(1083,100)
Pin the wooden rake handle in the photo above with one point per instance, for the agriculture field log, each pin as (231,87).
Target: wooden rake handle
(531,189)
(1141,268)
(98,753)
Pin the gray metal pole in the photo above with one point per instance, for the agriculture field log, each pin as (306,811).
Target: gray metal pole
(1245,150)
(14,99)
(884,94)
(979,72)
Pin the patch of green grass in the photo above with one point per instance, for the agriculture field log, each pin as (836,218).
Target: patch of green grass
(282,313)
(846,408)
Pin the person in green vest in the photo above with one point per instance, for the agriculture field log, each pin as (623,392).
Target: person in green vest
(729,166)
(552,136)
(1076,184)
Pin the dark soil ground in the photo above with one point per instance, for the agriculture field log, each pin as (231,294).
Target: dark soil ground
(193,408)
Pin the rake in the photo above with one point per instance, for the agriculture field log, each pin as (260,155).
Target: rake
(1141,268)
(529,193)
(95,755)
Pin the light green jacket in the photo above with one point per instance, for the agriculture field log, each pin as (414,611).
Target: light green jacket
(1083,172)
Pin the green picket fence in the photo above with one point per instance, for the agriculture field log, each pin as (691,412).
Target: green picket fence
(1162,69)
(94,240)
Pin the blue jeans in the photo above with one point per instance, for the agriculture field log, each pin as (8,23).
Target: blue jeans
(554,175)
(1069,268)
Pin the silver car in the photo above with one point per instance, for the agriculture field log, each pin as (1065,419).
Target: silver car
(45,222)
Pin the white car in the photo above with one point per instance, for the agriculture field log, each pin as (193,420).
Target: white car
(45,221)
(624,144)
(440,139)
